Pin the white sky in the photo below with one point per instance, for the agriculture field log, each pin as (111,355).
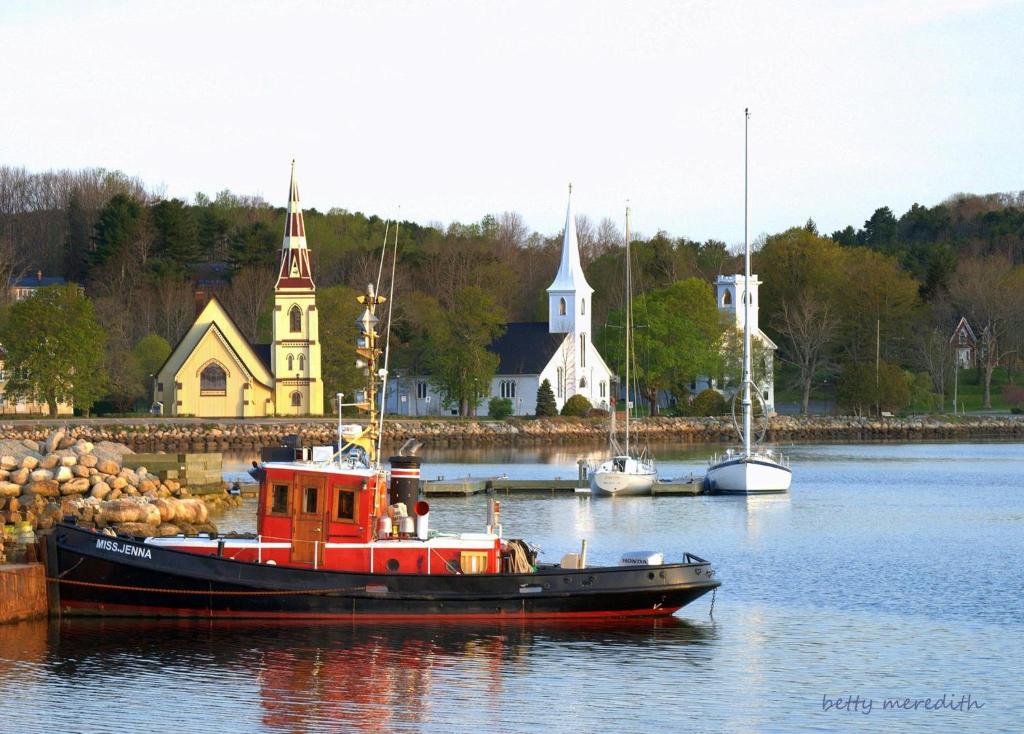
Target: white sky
(456,109)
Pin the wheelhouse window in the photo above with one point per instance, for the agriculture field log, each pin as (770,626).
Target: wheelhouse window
(213,380)
(295,320)
(279,499)
(345,506)
(311,500)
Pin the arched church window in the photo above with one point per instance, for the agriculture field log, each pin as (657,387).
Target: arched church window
(727,299)
(302,362)
(213,380)
(583,307)
(295,320)
(291,363)
(561,307)
(296,399)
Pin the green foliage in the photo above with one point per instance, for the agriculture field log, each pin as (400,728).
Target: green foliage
(922,398)
(577,407)
(54,349)
(118,226)
(499,408)
(857,390)
(546,404)
(150,352)
(338,310)
(677,337)
(177,235)
(460,366)
(708,402)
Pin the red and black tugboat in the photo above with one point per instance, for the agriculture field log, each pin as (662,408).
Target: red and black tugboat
(340,536)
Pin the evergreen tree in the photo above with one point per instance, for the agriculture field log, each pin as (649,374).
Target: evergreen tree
(117,227)
(177,236)
(546,405)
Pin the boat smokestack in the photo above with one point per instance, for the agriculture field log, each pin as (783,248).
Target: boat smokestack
(405,480)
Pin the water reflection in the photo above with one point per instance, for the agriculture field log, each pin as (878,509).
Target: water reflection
(311,676)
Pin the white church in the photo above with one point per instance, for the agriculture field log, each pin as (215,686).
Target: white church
(729,294)
(559,350)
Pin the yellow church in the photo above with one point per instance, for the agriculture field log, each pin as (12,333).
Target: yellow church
(214,372)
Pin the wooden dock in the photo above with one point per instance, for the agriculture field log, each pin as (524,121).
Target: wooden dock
(468,486)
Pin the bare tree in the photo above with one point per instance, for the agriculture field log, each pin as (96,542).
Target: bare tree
(246,298)
(988,291)
(808,325)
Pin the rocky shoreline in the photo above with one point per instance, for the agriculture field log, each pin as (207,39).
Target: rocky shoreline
(222,436)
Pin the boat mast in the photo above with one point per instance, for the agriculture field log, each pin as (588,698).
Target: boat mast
(746,294)
(369,354)
(629,323)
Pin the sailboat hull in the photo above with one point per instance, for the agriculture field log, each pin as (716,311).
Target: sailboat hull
(621,484)
(748,475)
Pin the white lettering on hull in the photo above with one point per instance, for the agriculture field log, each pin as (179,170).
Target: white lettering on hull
(123,548)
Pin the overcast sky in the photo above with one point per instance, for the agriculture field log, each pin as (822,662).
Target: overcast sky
(456,109)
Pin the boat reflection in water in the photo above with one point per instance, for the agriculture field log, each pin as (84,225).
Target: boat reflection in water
(319,676)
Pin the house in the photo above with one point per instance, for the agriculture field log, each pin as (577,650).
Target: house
(22,288)
(964,344)
(729,294)
(214,371)
(559,350)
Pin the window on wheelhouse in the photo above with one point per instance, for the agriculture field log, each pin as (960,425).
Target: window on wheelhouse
(310,500)
(345,507)
(279,500)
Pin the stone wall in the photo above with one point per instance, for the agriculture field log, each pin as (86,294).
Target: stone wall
(253,435)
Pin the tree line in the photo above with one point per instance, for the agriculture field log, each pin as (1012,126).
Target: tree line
(145,262)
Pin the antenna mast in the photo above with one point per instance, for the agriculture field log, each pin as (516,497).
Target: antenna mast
(746,293)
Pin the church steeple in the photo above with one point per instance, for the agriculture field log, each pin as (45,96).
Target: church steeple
(569,293)
(295,352)
(294,272)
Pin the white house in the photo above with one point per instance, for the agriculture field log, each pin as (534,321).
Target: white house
(729,292)
(559,350)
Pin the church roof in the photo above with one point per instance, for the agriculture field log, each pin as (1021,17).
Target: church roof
(295,271)
(263,351)
(525,348)
(570,275)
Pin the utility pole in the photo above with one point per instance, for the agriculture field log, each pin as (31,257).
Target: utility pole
(878,355)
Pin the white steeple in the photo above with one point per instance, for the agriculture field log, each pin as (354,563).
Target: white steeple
(569,294)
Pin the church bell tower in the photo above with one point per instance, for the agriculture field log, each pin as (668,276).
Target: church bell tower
(295,352)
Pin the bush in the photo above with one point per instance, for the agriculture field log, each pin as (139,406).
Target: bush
(577,406)
(546,405)
(499,408)
(598,413)
(708,402)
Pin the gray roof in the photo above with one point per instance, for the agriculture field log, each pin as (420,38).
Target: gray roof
(525,348)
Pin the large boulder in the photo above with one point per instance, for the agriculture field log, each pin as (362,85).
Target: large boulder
(19,476)
(166,530)
(63,474)
(80,471)
(68,460)
(30,445)
(191,511)
(45,488)
(54,439)
(167,508)
(29,462)
(121,511)
(100,490)
(49,461)
(9,489)
(75,486)
(41,475)
(108,467)
(135,529)
(8,462)
(88,460)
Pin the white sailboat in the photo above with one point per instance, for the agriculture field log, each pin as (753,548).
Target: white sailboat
(750,469)
(625,474)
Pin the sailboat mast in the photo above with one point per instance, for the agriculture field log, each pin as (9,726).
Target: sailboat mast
(746,292)
(629,324)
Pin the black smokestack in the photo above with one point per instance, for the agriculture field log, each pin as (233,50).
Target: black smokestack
(405,481)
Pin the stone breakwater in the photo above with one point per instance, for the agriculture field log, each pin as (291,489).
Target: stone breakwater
(252,435)
(44,482)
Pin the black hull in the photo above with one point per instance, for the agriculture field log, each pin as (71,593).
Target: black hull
(99,575)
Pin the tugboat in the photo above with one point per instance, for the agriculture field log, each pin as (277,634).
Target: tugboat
(340,536)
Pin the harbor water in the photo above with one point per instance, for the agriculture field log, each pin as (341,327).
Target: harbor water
(890,574)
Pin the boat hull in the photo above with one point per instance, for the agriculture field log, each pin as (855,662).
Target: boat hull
(100,575)
(748,475)
(621,484)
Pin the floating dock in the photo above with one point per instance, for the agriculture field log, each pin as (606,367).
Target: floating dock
(468,486)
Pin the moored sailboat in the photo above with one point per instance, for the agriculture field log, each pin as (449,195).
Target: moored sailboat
(750,469)
(625,473)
